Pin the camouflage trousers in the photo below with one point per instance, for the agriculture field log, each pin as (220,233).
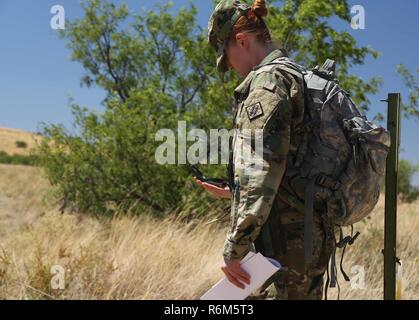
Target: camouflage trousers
(298,280)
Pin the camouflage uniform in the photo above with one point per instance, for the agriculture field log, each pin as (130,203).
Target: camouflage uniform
(272,101)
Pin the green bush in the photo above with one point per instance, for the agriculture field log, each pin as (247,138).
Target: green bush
(111,166)
(18,159)
(21,144)
(405,175)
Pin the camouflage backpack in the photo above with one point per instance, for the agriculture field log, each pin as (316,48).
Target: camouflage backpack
(341,159)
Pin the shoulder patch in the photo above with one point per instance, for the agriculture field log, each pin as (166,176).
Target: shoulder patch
(269,86)
(254,111)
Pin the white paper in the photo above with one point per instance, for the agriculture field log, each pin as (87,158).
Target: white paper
(257,266)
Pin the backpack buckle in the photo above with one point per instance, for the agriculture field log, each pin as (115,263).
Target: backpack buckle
(328,182)
(327,70)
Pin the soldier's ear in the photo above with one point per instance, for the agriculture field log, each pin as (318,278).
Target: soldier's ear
(242,40)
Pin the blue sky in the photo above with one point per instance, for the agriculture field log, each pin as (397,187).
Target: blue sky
(37,77)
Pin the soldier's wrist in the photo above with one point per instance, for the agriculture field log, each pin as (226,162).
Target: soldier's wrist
(233,251)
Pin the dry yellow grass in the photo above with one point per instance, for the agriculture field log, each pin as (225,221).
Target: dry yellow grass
(143,258)
(8,138)
(366,253)
(126,258)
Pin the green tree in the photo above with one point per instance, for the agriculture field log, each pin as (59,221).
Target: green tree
(405,175)
(157,69)
(303,28)
(411,108)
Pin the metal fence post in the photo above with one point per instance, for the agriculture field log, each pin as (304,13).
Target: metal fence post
(390,223)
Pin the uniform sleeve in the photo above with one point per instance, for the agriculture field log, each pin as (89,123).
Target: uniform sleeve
(267,110)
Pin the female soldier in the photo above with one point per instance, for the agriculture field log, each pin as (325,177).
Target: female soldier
(271,100)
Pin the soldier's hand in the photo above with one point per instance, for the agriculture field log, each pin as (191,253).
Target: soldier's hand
(234,273)
(214,190)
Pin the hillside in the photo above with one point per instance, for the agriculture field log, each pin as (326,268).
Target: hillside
(9,137)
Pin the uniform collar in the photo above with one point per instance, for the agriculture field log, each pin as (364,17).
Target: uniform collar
(275,54)
(244,86)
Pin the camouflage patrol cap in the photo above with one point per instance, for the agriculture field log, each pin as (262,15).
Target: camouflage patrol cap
(220,25)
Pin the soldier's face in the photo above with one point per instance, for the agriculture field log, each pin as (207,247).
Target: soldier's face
(239,56)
